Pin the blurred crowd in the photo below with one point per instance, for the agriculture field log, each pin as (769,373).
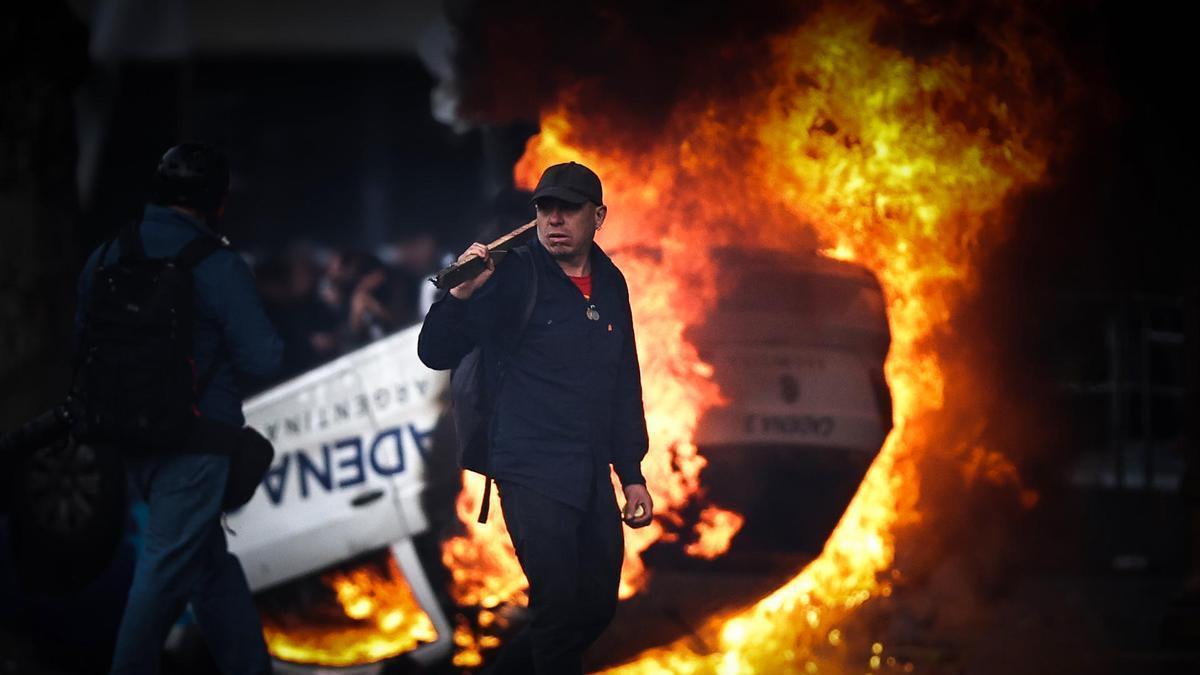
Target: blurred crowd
(327,302)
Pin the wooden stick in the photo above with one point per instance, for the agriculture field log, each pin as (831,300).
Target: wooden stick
(472,267)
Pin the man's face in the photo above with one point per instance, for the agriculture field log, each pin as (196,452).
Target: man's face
(566,230)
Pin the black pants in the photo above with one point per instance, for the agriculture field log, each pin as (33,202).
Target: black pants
(572,558)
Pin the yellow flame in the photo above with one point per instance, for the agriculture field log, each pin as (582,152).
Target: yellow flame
(715,531)
(385,621)
(862,153)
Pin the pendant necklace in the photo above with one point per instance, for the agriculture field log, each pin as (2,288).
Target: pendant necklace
(592,313)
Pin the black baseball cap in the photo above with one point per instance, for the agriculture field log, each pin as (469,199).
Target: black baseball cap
(571,182)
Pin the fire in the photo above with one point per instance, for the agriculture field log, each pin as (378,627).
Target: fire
(843,145)
(860,151)
(482,563)
(385,620)
(715,529)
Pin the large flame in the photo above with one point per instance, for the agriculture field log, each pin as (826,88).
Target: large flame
(380,619)
(852,148)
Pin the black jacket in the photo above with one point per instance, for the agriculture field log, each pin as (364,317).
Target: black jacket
(570,402)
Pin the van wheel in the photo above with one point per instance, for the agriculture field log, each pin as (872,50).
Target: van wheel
(68,512)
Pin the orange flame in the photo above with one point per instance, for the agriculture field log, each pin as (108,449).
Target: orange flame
(898,165)
(856,150)
(385,620)
(482,563)
(715,529)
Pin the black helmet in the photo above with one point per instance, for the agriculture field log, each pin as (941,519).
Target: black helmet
(194,175)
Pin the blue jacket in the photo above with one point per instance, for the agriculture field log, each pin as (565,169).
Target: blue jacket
(232,332)
(570,403)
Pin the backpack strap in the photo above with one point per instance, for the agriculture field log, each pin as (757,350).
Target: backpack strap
(531,294)
(486,506)
(130,238)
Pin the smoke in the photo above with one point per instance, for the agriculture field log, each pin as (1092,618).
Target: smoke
(627,60)
(634,62)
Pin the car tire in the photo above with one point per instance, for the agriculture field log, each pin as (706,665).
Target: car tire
(69,509)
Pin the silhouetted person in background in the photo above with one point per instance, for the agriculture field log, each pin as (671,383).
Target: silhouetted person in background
(184,558)
(288,285)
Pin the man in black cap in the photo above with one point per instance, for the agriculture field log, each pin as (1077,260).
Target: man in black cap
(568,406)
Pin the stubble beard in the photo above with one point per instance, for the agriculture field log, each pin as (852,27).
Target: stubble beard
(574,254)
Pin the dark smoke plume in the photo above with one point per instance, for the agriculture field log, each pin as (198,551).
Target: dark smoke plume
(515,59)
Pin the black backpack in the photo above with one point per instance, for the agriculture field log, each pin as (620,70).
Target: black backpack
(135,383)
(474,385)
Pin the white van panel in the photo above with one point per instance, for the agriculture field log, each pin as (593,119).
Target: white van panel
(350,439)
(793,397)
